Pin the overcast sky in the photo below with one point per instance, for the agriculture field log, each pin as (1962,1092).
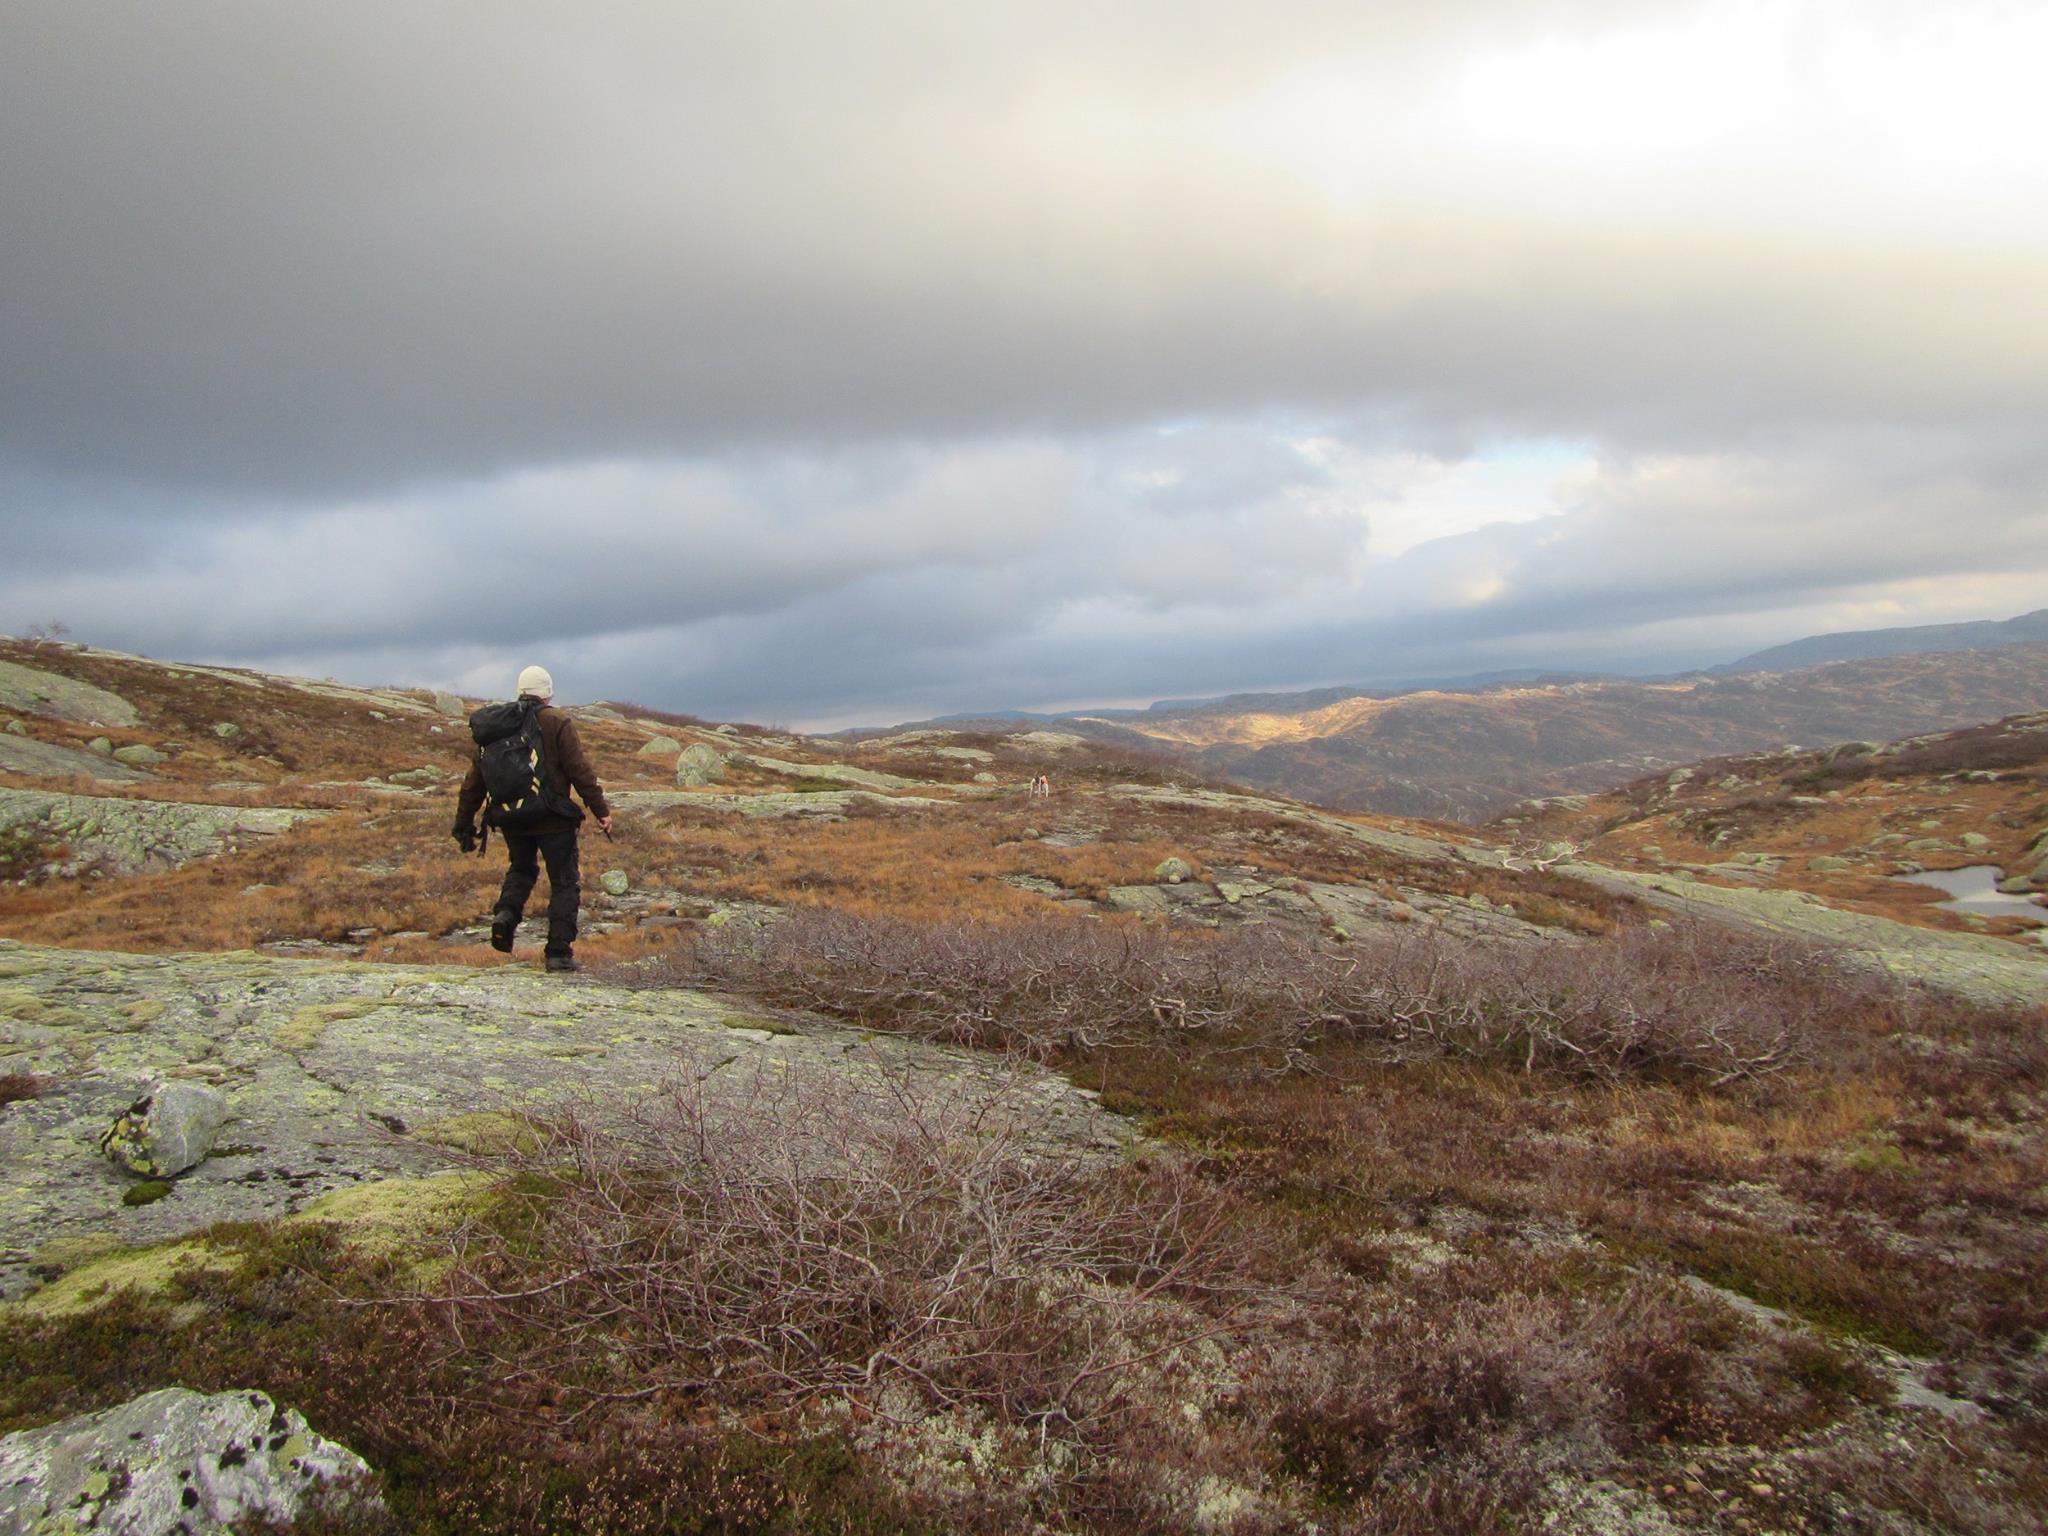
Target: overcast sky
(850,362)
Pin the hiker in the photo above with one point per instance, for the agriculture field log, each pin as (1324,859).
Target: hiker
(526,757)
(1041,787)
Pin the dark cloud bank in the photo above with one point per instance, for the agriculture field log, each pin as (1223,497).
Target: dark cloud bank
(921,358)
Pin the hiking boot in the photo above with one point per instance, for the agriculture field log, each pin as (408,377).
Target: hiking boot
(503,921)
(564,963)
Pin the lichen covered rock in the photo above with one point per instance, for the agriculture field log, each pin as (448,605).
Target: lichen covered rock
(699,765)
(174,1460)
(166,1131)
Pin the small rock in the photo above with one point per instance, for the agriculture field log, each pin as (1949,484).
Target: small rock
(16,728)
(138,756)
(101,745)
(227,730)
(1828,864)
(979,778)
(166,1131)
(615,882)
(174,1460)
(1974,840)
(660,746)
(1173,871)
(450,705)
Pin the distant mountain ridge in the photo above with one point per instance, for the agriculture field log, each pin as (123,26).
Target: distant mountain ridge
(1809,651)
(1462,756)
(1907,640)
(1464,748)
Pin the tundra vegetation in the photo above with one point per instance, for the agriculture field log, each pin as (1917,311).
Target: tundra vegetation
(1519,1207)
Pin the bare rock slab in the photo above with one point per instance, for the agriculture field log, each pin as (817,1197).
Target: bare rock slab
(344,1075)
(33,691)
(172,1460)
(47,760)
(139,836)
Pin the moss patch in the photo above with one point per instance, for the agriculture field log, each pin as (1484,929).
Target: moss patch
(144,1271)
(392,1216)
(488,1133)
(765,1025)
(302,1031)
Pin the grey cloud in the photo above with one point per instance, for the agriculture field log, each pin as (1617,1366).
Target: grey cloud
(930,355)
(865,586)
(305,250)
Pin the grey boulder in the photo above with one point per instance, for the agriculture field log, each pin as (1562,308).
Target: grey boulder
(659,746)
(1173,871)
(698,765)
(166,1131)
(174,1460)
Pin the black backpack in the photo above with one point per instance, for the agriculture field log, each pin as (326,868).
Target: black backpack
(515,767)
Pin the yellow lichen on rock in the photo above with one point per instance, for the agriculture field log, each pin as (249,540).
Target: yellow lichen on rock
(302,1031)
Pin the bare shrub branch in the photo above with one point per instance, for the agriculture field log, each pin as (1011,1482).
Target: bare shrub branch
(1678,1003)
(767,1253)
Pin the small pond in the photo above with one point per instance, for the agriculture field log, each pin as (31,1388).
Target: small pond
(1975,891)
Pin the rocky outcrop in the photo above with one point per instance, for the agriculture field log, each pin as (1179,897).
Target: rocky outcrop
(33,691)
(345,1076)
(47,760)
(1986,970)
(864,778)
(174,1461)
(137,836)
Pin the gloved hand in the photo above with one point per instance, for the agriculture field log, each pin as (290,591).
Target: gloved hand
(465,836)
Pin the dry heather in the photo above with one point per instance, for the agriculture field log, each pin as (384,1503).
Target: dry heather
(1676,1004)
(1364,1276)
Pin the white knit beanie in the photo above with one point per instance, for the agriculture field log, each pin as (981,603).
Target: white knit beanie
(535,681)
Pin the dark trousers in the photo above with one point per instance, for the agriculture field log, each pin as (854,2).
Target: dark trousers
(564,884)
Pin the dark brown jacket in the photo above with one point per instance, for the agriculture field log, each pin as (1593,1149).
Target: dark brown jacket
(568,764)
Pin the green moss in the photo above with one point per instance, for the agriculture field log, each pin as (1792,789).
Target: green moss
(1880,1157)
(488,1133)
(765,1025)
(145,1272)
(148,1192)
(303,1030)
(20,1003)
(1810,1280)
(60,1254)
